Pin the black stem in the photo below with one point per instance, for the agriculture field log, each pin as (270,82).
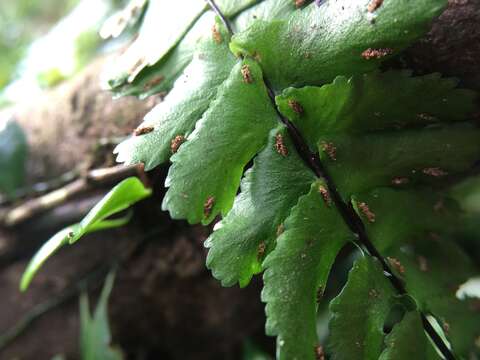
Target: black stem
(222,17)
(348,213)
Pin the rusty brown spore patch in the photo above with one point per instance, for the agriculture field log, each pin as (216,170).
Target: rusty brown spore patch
(217,36)
(397,181)
(143,130)
(319,352)
(246,74)
(262,247)
(396,264)
(376,53)
(367,212)
(374,5)
(296,107)
(319,294)
(280,146)
(176,142)
(153,82)
(299,3)
(330,149)
(325,194)
(434,171)
(208,206)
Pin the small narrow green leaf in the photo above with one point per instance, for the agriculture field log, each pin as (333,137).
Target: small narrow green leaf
(409,341)
(336,38)
(177,114)
(375,101)
(268,192)
(122,196)
(95,334)
(13,155)
(359,313)
(206,170)
(297,271)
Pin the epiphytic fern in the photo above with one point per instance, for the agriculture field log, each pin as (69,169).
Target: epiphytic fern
(343,153)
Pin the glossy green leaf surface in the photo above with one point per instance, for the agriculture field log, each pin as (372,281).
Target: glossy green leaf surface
(182,108)
(409,341)
(206,171)
(425,156)
(375,101)
(359,313)
(95,336)
(13,155)
(414,213)
(336,38)
(122,196)
(297,271)
(268,192)
(433,270)
(411,234)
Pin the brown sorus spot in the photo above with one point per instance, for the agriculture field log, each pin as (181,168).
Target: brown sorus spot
(325,194)
(152,83)
(295,106)
(280,229)
(434,171)
(143,130)
(376,53)
(319,294)
(176,142)
(246,74)
(330,149)
(280,145)
(373,293)
(396,264)
(422,263)
(367,212)
(446,326)
(400,181)
(299,3)
(319,353)
(374,5)
(217,37)
(261,250)
(208,206)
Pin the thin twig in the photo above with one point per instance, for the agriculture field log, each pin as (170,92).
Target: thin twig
(93,179)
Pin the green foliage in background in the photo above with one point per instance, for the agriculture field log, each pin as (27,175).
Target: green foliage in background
(13,156)
(121,197)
